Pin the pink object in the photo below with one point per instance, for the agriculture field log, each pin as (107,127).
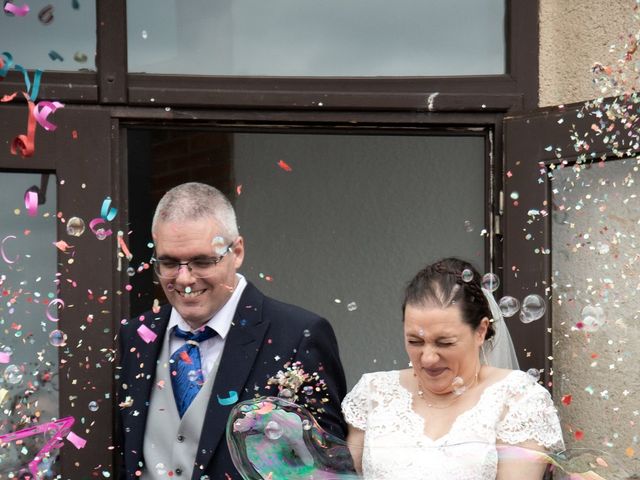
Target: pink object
(146,334)
(31,202)
(59,428)
(5,357)
(42,110)
(77,441)
(17,11)
(55,301)
(99,221)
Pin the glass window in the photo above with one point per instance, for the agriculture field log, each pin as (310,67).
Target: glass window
(52,36)
(29,377)
(317,38)
(334,223)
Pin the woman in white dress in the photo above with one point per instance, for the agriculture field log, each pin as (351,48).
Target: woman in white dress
(448,416)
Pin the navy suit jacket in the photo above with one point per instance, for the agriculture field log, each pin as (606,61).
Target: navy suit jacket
(265,334)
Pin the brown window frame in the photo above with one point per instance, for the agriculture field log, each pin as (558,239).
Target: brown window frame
(113,85)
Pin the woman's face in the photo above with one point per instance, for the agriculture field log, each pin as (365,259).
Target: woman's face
(441,346)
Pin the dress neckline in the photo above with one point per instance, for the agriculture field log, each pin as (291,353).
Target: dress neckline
(420,420)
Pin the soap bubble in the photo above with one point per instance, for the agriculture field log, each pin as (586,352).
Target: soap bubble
(219,245)
(131,271)
(592,318)
(144,34)
(192,375)
(273,430)
(161,469)
(602,248)
(306,424)
(467,275)
(509,306)
(490,281)
(308,390)
(75,226)
(457,386)
(514,195)
(306,332)
(352,306)
(534,373)
(13,374)
(286,394)
(468,226)
(533,308)
(93,406)
(101,234)
(58,338)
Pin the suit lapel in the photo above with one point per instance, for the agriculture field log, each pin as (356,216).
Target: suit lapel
(239,354)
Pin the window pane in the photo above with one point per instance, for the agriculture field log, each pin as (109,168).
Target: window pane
(71,34)
(595,230)
(29,380)
(317,38)
(341,233)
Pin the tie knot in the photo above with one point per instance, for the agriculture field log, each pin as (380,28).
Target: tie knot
(198,336)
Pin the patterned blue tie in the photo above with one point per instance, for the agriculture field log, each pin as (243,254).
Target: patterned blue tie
(186,367)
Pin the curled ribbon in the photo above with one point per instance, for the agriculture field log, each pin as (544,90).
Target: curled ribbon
(99,221)
(55,301)
(3,253)
(106,212)
(31,202)
(32,89)
(42,110)
(24,144)
(5,64)
(17,11)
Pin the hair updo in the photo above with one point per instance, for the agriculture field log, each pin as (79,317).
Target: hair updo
(441,285)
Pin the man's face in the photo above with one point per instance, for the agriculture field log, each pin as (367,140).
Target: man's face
(197,299)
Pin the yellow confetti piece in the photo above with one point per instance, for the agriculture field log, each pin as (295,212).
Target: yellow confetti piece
(3,394)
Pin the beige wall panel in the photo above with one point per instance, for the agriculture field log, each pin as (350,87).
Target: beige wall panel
(574,34)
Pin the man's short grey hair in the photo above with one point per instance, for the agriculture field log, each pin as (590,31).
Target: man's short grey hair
(194,201)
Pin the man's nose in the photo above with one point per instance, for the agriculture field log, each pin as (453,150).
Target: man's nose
(184,275)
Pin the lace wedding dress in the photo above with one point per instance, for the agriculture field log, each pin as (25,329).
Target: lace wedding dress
(513,410)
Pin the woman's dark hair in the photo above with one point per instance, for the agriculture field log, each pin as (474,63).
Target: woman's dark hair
(441,284)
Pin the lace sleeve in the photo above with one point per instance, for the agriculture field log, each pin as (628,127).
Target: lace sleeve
(531,416)
(355,406)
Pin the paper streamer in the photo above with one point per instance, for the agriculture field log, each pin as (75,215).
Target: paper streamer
(55,431)
(106,212)
(42,110)
(3,253)
(24,144)
(123,246)
(77,441)
(32,89)
(31,202)
(16,10)
(98,221)
(230,400)
(45,15)
(5,64)
(146,334)
(55,301)
(53,55)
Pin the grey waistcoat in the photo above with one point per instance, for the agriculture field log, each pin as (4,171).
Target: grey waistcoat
(171,443)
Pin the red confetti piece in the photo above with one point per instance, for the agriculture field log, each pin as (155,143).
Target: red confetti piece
(185,357)
(239,189)
(566,400)
(284,166)
(579,434)
(74,134)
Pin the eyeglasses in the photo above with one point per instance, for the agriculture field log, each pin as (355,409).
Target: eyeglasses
(198,268)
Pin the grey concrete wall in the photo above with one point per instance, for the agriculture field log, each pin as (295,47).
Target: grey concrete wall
(574,34)
(594,245)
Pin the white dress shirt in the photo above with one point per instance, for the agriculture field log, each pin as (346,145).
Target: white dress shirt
(211,349)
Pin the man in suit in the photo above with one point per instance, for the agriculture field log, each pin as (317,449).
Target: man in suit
(218,341)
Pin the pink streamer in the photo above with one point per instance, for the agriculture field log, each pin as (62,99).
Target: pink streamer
(31,202)
(99,221)
(17,11)
(77,441)
(2,252)
(60,428)
(55,301)
(146,334)
(42,110)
